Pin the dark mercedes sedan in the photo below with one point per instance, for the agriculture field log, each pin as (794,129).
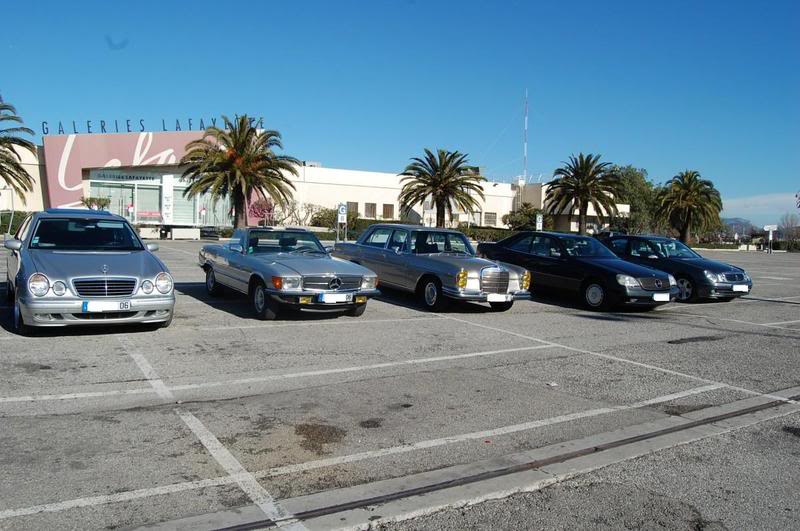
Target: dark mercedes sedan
(583,266)
(697,277)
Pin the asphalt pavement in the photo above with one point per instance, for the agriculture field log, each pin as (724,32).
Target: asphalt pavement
(222,419)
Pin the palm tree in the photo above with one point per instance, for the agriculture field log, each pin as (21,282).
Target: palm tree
(238,162)
(580,182)
(11,170)
(446,178)
(689,202)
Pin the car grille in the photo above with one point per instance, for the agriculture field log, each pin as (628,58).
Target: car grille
(103,316)
(104,287)
(324,282)
(494,281)
(653,284)
(734,277)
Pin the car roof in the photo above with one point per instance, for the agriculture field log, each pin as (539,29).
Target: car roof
(554,234)
(408,226)
(77,213)
(285,229)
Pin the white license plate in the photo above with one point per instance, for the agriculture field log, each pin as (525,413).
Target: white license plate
(498,297)
(106,306)
(332,298)
(741,287)
(661,297)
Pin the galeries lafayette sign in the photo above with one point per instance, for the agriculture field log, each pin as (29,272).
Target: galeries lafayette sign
(67,156)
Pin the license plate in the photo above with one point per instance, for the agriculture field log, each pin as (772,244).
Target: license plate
(497,297)
(332,298)
(106,306)
(661,297)
(741,287)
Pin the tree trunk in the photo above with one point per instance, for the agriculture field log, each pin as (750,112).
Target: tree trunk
(685,230)
(582,220)
(440,214)
(239,212)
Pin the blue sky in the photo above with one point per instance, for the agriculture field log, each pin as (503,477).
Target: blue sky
(707,85)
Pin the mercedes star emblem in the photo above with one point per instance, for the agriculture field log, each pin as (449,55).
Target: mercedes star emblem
(658,283)
(104,269)
(335,283)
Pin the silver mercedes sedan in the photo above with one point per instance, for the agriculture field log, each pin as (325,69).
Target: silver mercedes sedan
(83,267)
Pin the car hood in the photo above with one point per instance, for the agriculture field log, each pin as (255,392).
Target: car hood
(704,264)
(469,263)
(70,264)
(318,265)
(619,266)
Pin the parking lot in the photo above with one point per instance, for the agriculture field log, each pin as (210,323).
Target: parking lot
(222,419)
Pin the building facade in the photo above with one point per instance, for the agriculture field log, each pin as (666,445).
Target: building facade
(140,175)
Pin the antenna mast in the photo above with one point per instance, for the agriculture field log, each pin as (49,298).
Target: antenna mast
(525,141)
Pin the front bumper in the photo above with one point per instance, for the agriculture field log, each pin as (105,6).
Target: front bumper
(643,297)
(482,296)
(723,290)
(310,300)
(70,312)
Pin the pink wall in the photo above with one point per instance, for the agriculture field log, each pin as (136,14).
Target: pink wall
(67,155)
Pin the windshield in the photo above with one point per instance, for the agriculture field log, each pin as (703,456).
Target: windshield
(427,242)
(281,241)
(72,234)
(673,249)
(586,248)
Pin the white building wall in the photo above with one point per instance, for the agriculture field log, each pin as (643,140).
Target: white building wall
(34,165)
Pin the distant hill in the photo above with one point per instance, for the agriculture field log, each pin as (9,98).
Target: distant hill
(736,221)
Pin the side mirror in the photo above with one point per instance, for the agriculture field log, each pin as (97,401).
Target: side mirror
(236,248)
(152,247)
(652,256)
(329,249)
(14,245)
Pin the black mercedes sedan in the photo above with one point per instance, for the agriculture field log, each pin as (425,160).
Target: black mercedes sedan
(583,266)
(697,277)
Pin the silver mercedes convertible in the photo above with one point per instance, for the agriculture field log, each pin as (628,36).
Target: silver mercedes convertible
(439,265)
(83,267)
(279,268)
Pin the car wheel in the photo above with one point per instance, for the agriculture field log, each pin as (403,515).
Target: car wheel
(595,295)
(18,322)
(166,323)
(687,291)
(266,309)
(431,294)
(212,286)
(357,310)
(501,306)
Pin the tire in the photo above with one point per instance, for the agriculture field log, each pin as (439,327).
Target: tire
(212,286)
(595,295)
(431,295)
(501,306)
(166,323)
(18,322)
(264,307)
(357,310)
(687,290)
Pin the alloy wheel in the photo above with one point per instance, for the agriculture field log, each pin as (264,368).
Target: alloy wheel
(259,299)
(431,294)
(685,289)
(594,294)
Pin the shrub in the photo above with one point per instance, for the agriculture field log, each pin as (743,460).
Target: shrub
(717,245)
(485,234)
(5,218)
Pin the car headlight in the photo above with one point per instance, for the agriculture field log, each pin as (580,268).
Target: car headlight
(746,277)
(461,279)
(369,282)
(628,281)
(59,288)
(38,284)
(714,277)
(672,281)
(147,287)
(286,283)
(163,283)
(526,280)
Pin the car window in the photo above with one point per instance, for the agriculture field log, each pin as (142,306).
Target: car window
(585,247)
(76,234)
(378,238)
(22,232)
(522,245)
(619,246)
(399,240)
(674,249)
(544,246)
(641,248)
(440,242)
(280,241)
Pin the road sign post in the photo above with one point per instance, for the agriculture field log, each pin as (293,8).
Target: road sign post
(539,221)
(770,229)
(341,219)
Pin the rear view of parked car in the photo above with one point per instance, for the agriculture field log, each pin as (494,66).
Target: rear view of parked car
(581,265)
(697,277)
(72,267)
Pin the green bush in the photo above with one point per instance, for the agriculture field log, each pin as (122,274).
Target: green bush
(717,245)
(792,246)
(5,217)
(485,234)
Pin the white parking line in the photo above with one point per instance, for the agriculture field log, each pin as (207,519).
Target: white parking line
(630,362)
(321,463)
(781,323)
(249,484)
(268,377)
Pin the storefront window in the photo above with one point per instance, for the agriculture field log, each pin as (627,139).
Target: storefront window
(148,204)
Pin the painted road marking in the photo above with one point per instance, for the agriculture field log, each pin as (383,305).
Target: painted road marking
(781,323)
(249,484)
(266,378)
(321,463)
